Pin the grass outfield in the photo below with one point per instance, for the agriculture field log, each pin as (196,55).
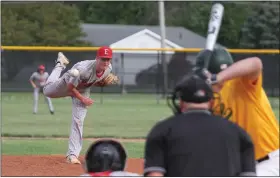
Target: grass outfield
(128,116)
(51,146)
(119,116)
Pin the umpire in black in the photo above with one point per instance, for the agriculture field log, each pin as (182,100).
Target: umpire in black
(194,142)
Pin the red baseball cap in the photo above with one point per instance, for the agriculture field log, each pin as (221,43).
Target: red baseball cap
(41,67)
(104,52)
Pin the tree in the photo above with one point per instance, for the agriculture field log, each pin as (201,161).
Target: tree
(121,12)
(47,24)
(191,15)
(37,24)
(261,29)
(195,17)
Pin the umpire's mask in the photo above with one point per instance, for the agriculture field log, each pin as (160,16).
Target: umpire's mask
(193,88)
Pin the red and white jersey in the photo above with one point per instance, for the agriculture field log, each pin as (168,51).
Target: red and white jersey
(86,78)
(39,79)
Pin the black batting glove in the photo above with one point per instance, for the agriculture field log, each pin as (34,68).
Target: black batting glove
(206,75)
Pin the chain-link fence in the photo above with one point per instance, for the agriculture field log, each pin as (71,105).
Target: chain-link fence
(139,73)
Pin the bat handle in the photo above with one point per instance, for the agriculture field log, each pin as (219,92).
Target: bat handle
(204,58)
(207,60)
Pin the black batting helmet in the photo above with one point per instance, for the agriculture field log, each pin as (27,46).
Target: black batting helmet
(193,88)
(219,59)
(105,155)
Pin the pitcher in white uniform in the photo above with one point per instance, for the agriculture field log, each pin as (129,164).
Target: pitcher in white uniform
(38,80)
(76,83)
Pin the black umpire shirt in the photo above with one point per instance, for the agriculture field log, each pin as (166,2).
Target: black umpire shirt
(197,143)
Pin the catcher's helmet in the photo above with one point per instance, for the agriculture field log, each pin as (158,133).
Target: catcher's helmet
(104,52)
(193,88)
(220,59)
(105,155)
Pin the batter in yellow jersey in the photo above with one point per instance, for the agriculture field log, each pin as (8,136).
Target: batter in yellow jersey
(252,111)
(244,101)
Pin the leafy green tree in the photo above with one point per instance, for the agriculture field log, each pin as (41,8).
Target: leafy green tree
(48,24)
(121,12)
(37,24)
(261,29)
(195,16)
(191,15)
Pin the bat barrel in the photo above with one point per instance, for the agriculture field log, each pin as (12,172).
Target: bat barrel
(214,24)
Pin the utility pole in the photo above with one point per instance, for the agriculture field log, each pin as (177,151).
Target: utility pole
(163,36)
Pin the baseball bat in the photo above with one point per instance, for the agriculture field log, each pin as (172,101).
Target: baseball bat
(214,25)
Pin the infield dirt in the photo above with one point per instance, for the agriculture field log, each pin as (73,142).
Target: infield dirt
(51,165)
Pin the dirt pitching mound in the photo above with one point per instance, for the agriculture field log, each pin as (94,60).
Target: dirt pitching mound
(52,165)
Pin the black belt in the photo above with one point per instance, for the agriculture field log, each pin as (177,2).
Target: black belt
(263,159)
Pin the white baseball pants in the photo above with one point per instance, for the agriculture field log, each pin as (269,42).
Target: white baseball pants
(79,112)
(57,87)
(36,98)
(269,167)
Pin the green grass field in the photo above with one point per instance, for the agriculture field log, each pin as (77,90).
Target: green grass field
(58,147)
(128,116)
(119,116)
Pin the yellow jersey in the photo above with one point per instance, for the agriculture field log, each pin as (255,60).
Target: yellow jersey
(252,111)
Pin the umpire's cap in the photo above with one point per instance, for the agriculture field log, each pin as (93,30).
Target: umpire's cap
(193,88)
(105,155)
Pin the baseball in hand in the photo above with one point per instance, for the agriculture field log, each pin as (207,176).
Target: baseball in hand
(74,72)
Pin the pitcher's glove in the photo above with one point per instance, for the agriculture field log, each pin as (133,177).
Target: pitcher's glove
(109,80)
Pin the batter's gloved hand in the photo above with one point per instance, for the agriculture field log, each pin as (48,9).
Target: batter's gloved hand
(202,72)
(109,80)
(213,79)
(206,75)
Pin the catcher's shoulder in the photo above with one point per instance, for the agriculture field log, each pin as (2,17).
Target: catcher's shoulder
(124,174)
(85,175)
